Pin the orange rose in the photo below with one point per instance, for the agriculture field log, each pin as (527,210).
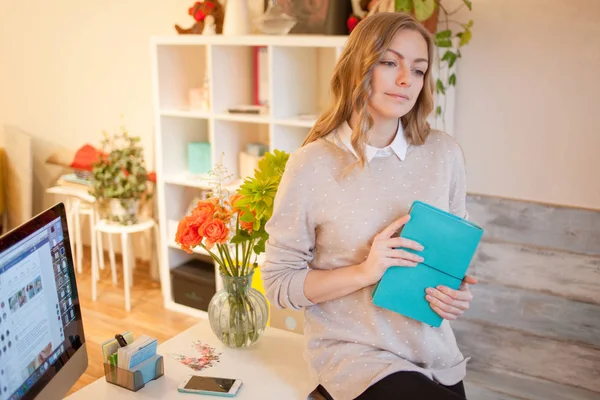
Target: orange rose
(187,235)
(202,213)
(205,207)
(214,231)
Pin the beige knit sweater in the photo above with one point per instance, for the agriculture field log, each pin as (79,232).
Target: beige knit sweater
(323,220)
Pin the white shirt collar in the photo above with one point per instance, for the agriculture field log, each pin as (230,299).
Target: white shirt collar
(399,145)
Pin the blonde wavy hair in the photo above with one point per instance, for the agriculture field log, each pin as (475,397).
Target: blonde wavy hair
(351,82)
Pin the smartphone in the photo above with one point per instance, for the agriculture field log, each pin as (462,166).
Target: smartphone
(224,387)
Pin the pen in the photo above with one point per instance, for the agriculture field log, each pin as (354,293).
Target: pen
(121,340)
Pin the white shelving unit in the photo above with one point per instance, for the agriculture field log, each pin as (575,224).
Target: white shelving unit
(299,69)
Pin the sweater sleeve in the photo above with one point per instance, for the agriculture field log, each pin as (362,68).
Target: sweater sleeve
(458,185)
(291,231)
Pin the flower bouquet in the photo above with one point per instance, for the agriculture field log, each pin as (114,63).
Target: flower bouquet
(230,227)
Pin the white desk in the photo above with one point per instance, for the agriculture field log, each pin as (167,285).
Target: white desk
(274,368)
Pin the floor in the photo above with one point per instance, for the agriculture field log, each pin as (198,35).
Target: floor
(107,316)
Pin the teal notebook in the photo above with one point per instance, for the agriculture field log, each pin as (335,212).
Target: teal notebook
(449,245)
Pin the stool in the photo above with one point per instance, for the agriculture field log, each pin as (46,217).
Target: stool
(112,228)
(79,202)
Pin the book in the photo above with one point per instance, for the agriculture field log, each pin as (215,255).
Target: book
(449,245)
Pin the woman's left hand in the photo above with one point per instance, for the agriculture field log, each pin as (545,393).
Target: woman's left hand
(450,303)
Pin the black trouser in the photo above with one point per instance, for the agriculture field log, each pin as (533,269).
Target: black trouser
(408,385)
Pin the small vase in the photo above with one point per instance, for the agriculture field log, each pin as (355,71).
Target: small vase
(238,313)
(237,19)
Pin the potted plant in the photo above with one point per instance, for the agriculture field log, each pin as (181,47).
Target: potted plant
(450,35)
(120,179)
(231,228)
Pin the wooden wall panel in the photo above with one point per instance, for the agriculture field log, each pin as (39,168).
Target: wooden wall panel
(533,328)
(476,392)
(536,313)
(569,275)
(517,352)
(564,228)
(522,387)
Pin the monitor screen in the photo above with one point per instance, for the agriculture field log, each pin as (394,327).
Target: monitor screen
(40,318)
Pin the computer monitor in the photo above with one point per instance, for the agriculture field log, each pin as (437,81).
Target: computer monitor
(42,345)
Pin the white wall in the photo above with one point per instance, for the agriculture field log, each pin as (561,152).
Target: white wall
(70,69)
(528,101)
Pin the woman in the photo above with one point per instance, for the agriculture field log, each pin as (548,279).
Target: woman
(341,200)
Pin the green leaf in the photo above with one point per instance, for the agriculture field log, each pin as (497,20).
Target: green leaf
(424,9)
(262,234)
(247,217)
(443,34)
(259,248)
(469,4)
(468,25)
(241,237)
(465,37)
(438,110)
(439,87)
(405,6)
(268,201)
(260,208)
(443,42)
(449,56)
(452,80)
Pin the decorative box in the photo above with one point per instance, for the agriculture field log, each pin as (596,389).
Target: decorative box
(193,284)
(199,158)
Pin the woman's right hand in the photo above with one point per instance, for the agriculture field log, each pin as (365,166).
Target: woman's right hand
(384,253)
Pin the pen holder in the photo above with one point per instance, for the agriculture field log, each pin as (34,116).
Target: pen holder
(136,378)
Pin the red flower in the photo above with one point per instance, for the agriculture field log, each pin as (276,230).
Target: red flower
(210,4)
(152,177)
(352,22)
(200,15)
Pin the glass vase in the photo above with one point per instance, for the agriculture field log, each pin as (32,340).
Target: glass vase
(275,21)
(238,313)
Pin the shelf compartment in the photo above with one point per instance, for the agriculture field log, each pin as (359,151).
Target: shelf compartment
(252,118)
(176,134)
(288,138)
(197,181)
(180,68)
(301,77)
(180,113)
(179,201)
(234,79)
(231,138)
